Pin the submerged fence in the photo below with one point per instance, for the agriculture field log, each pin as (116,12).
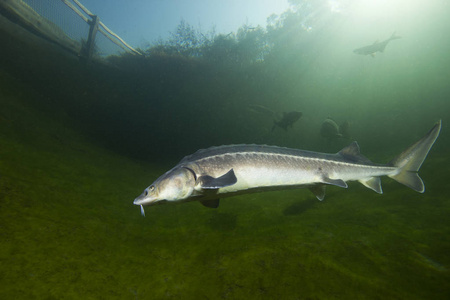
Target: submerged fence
(67,23)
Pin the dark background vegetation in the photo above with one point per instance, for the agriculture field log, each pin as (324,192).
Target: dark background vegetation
(188,92)
(194,90)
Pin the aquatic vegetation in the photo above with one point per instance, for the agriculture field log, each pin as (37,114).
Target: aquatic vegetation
(68,229)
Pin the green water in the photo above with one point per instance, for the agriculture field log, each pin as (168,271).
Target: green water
(78,143)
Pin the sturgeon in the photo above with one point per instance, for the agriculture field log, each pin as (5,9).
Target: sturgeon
(225,171)
(375,47)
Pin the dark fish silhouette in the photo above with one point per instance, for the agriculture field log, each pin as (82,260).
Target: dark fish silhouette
(375,47)
(288,119)
(344,129)
(330,129)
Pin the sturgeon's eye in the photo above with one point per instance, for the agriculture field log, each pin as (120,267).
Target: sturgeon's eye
(149,189)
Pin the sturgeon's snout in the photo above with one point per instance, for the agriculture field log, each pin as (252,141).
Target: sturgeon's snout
(138,201)
(142,199)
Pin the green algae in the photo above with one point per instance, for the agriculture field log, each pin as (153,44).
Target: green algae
(68,230)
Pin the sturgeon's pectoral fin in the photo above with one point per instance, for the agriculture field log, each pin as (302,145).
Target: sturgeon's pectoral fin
(373,183)
(319,191)
(337,182)
(213,203)
(209,182)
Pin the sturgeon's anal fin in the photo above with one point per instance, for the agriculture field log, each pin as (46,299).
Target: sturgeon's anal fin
(373,183)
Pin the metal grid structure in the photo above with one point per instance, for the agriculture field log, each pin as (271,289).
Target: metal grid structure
(76,22)
(62,16)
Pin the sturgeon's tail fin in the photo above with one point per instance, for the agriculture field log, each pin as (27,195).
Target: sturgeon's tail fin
(410,160)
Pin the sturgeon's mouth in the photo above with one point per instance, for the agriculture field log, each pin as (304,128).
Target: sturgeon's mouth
(139,201)
(142,201)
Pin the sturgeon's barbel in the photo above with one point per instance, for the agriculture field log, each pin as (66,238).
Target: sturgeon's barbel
(219,172)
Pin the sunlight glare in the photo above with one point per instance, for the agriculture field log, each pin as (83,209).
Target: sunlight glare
(373,9)
(335,6)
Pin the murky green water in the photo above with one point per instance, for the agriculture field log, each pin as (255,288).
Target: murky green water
(79,143)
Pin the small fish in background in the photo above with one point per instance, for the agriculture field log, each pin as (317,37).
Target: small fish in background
(344,129)
(283,120)
(287,120)
(375,47)
(331,130)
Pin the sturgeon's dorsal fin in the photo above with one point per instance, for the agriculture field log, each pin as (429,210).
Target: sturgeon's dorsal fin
(209,182)
(352,149)
(352,153)
(212,203)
